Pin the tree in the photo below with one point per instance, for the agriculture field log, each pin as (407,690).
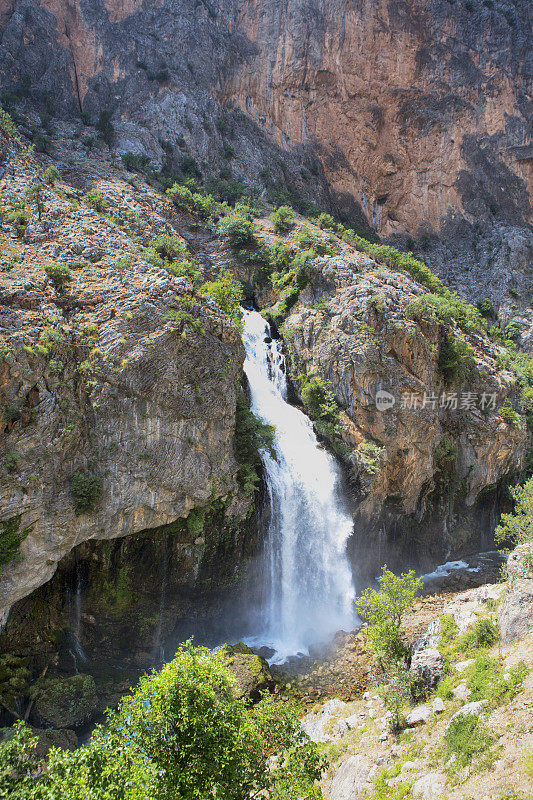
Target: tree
(35,195)
(238,229)
(59,274)
(383,610)
(518,525)
(182,734)
(227,293)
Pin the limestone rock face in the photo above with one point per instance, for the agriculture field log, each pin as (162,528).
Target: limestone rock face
(362,340)
(117,395)
(428,664)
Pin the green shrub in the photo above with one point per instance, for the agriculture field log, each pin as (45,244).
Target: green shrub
(95,200)
(326,222)
(321,404)
(486,681)
(20,220)
(86,491)
(11,537)
(383,611)
(239,231)
(283,219)
(59,274)
(468,740)
(456,358)
(251,435)
(484,633)
(448,308)
(227,190)
(227,293)
(183,197)
(135,162)
(509,414)
(396,693)
(170,248)
(517,527)
(104,126)
(486,308)
(181,733)
(445,688)
(512,331)
(7,124)
(51,176)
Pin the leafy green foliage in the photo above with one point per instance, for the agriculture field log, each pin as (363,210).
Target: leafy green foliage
(321,404)
(468,740)
(486,681)
(95,200)
(292,277)
(181,735)
(385,789)
(283,219)
(135,162)
(251,436)
(396,692)
(484,633)
(189,199)
(171,253)
(509,414)
(517,526)
(383,610)
(456,358)
(19,218)
(486,308)
(238,229)
(227,293)
(448,308)
(62,702)
(227,190)
(59,274)
(34,194)
(327,222)
(6,123)
(14,678)
(86,491)
(11,537)
(51,175)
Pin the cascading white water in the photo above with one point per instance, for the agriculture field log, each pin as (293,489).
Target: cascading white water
(309,583)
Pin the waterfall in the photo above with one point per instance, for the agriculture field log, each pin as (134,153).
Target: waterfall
(158,650)
(75,648)
(309,590)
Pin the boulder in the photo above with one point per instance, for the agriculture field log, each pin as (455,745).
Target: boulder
(314,725)
(474,708)
(418,716)
(520,562)
(438,706)
(515,614)
(428,665)
(250,669)
(351,779)
(430,787)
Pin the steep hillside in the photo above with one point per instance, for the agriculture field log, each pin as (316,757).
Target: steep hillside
(411,117)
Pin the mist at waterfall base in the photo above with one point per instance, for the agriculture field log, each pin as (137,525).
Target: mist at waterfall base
(305,592)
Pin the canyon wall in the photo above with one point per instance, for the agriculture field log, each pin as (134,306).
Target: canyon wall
(411,117)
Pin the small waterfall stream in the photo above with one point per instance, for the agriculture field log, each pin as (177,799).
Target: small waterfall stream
(308,583)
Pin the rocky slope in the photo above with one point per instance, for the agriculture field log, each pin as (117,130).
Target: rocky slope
(411,117)
(109,393)
(488,689)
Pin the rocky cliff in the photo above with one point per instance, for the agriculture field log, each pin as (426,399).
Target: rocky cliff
(118,394)
(411,117)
